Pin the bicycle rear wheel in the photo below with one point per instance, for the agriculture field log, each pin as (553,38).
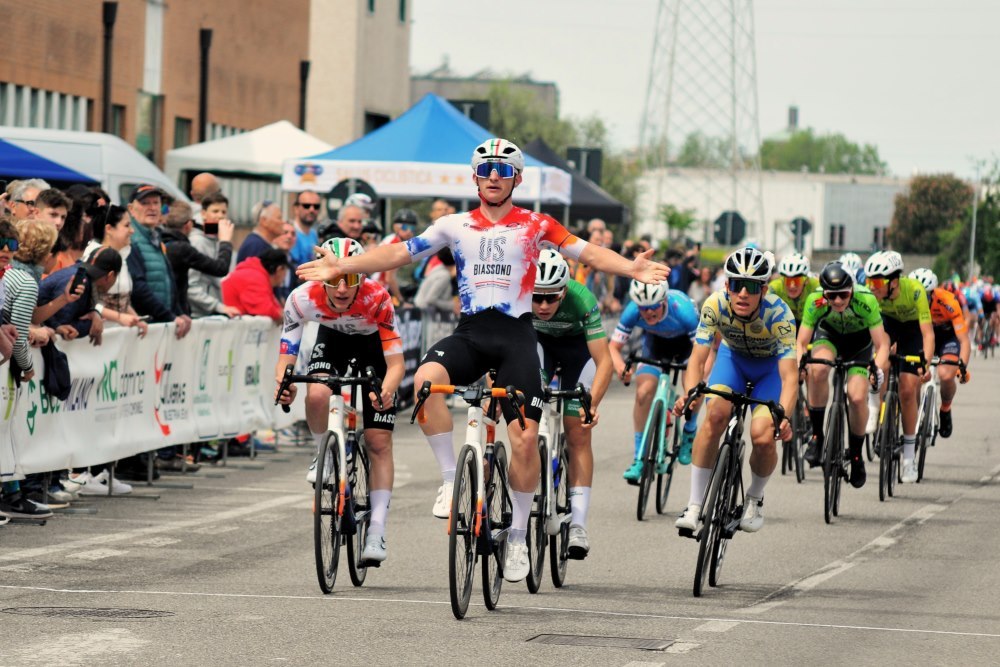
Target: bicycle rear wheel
(800,437)
(650,448)
(461,533)
(537,537)
(663,481)
(870,447)
(358,477)
(725,512)
(924,434)
(832,442)
(711,522)
(559,543)
(326,518)
(500,513)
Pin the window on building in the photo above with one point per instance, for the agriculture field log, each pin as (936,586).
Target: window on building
(878,237)
(371,6)
(374,121)
(182,132)
(402,11)
(118,120)
(837,235)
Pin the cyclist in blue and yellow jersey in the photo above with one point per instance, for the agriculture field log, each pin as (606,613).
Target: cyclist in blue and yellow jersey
(906,316)
(756,331)
(669,319)
(794,284)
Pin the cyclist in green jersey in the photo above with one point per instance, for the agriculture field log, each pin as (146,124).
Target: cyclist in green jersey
(794,284)
(567,321)
(841,320)
(907,319)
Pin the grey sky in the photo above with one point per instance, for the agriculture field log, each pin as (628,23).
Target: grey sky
(913,77)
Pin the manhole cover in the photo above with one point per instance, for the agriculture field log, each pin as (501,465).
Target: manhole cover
(86,612)
(604,642)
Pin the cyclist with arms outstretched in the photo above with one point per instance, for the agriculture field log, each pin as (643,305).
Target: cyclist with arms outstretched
(757,334)
(496,248)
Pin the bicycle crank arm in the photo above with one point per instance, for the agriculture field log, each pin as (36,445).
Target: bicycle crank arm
(555,522)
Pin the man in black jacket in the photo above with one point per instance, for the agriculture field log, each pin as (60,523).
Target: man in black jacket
(184,256)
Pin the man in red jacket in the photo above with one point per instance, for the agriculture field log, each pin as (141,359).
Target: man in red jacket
(250,287)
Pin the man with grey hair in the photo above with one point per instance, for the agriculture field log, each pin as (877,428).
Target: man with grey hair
(350,223)
(269,225)
(21,197)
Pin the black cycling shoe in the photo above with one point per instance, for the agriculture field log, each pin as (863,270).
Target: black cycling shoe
(858,474)
(944,426)
(813,452)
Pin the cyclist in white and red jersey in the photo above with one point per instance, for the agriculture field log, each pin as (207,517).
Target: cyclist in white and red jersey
(496,249)
(357,321)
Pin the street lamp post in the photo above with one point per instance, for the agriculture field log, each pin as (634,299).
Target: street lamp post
(972,240)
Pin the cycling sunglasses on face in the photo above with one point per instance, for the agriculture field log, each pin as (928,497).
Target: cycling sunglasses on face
(351,279)
(836,296)
(646,309)
(9,244)
(547,297)
(503,169)
(737,285)
(877,283)
(794,281)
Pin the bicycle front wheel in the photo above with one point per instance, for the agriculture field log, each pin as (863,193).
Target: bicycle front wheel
(326,517)
(800,437)
(711,520)
(358,476)
(461,533)
(650,449)
(833,444)
(924,433)
(663,481)
(536,536)
(500,513)
(559,543)
(886,440)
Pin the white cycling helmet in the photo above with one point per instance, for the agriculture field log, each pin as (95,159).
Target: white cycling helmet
(926,278)
(851,261)
(553,271)
(343,247)
(795,264)
(647,295)
(361,200)
(498,150)
(885,264)
(750,263)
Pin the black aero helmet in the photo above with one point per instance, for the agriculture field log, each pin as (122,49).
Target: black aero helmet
(405,216)
(835,278)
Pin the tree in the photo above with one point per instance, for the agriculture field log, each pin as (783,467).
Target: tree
(954,240)
(932,204)
(706,152)
(830,153)
(676,220)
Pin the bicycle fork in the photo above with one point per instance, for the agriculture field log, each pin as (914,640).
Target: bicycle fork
(476,419)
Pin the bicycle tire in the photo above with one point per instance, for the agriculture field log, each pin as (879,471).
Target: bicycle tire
(709,520)
(869,447)
(831,466)
(897,446)
(884,447)
(326,518)
(800,437)
(726,510)
(650,449)
(359,478)
(664,481)
(537,538)
(461,535)
(500,510)
(559,544)
(924,434)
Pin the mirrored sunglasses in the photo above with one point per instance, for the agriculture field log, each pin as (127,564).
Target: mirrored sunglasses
(794,281)
(646,309)
(9,244)
(503,169)
(351,279)
(877,283)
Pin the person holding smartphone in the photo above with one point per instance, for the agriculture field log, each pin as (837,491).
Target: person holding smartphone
(186,259)
(204,291)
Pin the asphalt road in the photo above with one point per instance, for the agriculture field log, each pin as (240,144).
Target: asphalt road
(223,573)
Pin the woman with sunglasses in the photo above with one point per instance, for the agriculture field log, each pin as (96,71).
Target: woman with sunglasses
(906,316)
(754,332)
(669,319)
(794,284)
(842,320)
(357,321)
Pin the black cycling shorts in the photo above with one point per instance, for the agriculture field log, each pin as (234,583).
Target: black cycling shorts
(676,349)
(570,353)
(333,352)
(908,340)
(850,347)
(489,340)
(946,342)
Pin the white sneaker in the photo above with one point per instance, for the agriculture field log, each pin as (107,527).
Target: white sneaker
(753,515)
(442,506)
(909,475)
(74,484)
(97,485)
(311,475)
(874,405)
(690,519)
(515,565)
(4,519)
(374,548)
(579,545)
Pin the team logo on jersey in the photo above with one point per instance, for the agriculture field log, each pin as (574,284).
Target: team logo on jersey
(318,350)
(784,329)
(708,317)
(756,327)
(491,249)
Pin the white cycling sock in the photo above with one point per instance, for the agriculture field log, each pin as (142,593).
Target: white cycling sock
(579,503)
(522,512)
(379,499)
(699,482)
(757,484)
(444,451)
(909,446)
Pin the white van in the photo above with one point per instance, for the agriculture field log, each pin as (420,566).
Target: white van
(116,165)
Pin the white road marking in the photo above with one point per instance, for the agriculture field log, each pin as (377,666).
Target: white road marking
(635,663)
(157,542)
(717,626)
(97,554)
(681,647)
(323,599)
(215,530)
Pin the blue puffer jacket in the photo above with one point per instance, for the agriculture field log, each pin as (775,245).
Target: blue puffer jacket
(154,259)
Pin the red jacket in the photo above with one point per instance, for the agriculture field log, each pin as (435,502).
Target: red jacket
(248,288)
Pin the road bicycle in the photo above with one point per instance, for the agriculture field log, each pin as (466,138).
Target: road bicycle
(835,455)
(550,515)
(986,340)
(889,435)
(657,431)
(722,508)
(929,411)
(481,506)
(793,451)
(341,504)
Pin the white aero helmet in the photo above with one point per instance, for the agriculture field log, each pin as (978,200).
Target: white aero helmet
(647,295)
(884,264)
(926,278)
(553,271)
(498,150)
(795,264)
(750,263)
(851,261)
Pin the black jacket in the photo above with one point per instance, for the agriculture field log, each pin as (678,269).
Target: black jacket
(184,256)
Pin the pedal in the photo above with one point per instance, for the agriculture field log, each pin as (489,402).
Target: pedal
(576,553)
(687,532)
(632,482)
(370,563)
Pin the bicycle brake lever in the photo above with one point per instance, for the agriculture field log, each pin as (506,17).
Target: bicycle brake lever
(516,402)
(588,416)
(376,385)
(423,393)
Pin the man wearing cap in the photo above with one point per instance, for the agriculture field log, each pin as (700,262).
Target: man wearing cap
(404,227)
(72,313)
(154,289)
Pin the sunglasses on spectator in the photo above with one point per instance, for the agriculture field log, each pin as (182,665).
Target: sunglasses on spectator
(315,207)
(26,202)
(837,296)
(794,281)
(877,283)
(350,279)
(646,309)
(503,169)
(407,228)
(9,244)
(737,285)
(546,297)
